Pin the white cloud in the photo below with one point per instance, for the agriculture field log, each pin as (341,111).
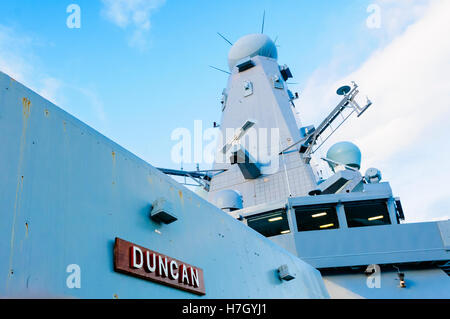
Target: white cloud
(51,89)
(405,132)
(95,102)
(18,61)
(11,62)
(137,13)
(396,15)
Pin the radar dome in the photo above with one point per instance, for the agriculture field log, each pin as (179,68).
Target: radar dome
(345,153)
(228,199)
(373,175)
(252,45)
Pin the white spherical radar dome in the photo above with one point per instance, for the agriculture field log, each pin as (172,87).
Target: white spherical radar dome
(252,45)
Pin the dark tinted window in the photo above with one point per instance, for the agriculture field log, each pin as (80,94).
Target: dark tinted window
(270,224)
(318,217)
(373,213)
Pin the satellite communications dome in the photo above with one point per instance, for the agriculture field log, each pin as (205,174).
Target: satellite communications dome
(252,45)
(228,199)
(345,153)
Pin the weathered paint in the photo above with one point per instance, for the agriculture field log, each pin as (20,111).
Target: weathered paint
(73,214)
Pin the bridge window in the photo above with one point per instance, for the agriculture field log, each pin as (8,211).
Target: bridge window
(318,217)
(361,214)
(270,224)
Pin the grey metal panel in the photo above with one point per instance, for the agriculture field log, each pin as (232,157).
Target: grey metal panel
(286,241)
(67,191)
(380,193)
(371,245)
(258,209)
(270,108)
(248,166)
(430,283)
(444,228)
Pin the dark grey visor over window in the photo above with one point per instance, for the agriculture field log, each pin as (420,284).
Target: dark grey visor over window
(270,224)
(318,217)
(367,213)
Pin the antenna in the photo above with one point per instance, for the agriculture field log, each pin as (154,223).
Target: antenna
(219,69)
(224,38)
(275,42)
(343,90)
(239,134)
(348,105)
(264,19)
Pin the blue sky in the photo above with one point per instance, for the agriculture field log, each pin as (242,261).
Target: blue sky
(143,93)
(138,69)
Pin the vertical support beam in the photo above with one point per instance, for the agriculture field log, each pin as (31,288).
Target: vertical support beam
(341,216)
(392,211)
(292,220)
(290,211)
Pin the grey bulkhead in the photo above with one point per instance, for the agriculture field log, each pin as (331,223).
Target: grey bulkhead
(66,192)
(270,107)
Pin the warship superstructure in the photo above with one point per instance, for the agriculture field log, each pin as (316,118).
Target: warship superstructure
(348,225)
(83,217)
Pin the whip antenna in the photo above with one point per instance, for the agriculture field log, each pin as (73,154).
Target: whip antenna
(264,19)
(219,69)
(224,38)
